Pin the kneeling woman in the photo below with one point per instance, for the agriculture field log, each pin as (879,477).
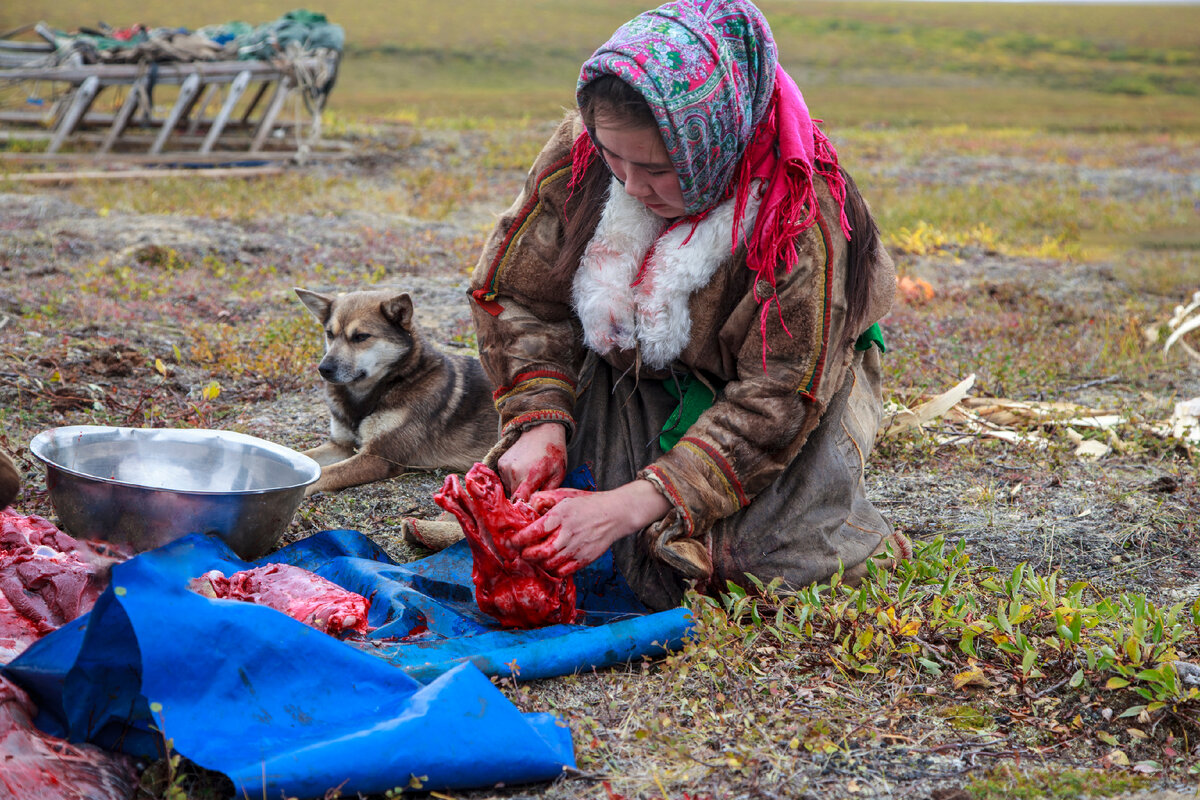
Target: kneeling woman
(679,310)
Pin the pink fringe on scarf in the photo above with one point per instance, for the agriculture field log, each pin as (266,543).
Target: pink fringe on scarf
(786,151)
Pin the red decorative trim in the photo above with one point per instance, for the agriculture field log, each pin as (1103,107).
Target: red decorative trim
(538,417)
(724,468)
(480,296)
(526,215)
(673,495)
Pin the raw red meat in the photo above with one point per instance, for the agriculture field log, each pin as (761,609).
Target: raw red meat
(47,579)
(518,593)
(300,594)
(34,766)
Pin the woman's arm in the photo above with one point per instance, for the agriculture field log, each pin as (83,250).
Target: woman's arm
(528,340)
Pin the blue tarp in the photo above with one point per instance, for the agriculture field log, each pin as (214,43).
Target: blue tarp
(280,707)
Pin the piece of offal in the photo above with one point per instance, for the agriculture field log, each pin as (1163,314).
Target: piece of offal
(34,766)
(516,592)
(47,579)
(297,592)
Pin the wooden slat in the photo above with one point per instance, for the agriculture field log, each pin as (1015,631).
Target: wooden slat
(145,159)
(282,90)
(187,92)
(127,174)
(212,71)
(210,91)
(254,101)
(132,100)
(82,99)
(235,93)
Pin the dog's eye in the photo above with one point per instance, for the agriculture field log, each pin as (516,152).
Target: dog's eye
(328,333)
(360,337)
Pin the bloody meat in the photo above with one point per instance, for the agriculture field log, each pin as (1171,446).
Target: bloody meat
(516,592)
(302,595)
(40,767)
(47,579)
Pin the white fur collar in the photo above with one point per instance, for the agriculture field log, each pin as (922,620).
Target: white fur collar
(654,314)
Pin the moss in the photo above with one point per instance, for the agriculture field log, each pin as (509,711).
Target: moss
(1009,782)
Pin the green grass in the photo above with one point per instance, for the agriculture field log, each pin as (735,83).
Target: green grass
(1005,782)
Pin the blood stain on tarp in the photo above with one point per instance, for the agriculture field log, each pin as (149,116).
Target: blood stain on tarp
(298,714)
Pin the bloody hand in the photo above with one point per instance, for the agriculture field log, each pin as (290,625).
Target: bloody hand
(537,461)
(578,527)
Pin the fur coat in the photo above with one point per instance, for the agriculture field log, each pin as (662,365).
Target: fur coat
(691,307)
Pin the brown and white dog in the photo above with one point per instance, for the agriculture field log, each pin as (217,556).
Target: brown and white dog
(396,402)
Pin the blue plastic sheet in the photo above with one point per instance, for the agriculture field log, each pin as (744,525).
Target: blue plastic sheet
(428,620)
(280,707)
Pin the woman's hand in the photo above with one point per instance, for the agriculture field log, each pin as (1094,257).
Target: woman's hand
(578,529)
(538,460)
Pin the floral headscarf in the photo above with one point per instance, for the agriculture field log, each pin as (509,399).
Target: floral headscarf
(707,69)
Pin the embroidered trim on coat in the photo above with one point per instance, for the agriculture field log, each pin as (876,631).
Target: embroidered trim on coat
(733,487)
(809,388)
(660,479)
(486,295)
(537,418)
(528,381)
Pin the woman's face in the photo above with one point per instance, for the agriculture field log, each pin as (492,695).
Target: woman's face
(638,159)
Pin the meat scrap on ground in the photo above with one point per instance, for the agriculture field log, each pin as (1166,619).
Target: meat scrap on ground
(302,595)
(47,579)
(34,766)
(516,592)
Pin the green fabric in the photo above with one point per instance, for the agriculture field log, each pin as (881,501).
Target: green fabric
(96,39)
(871,336)
(309,29)
(696,398)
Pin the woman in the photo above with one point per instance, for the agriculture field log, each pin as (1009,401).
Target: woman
(674,309)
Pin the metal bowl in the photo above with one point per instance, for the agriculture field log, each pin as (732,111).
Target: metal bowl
(149,486)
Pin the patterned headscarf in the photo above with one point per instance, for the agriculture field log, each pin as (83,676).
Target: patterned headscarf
(730,118)
(707,70)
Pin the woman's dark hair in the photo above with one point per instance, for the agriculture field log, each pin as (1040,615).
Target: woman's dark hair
(861,252)
(614,99)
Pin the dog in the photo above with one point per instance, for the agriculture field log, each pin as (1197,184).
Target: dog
(10,480)
(396,402)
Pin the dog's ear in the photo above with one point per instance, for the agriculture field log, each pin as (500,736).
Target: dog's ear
(318,304)
(398,310)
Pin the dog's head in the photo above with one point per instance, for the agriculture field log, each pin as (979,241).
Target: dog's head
(368,334)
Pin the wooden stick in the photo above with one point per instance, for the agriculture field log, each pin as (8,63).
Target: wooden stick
(82,100)
(92,159)
(235,93)
(128,174)
(121,121)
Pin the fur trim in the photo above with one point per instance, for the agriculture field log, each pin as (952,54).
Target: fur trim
(622,310)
